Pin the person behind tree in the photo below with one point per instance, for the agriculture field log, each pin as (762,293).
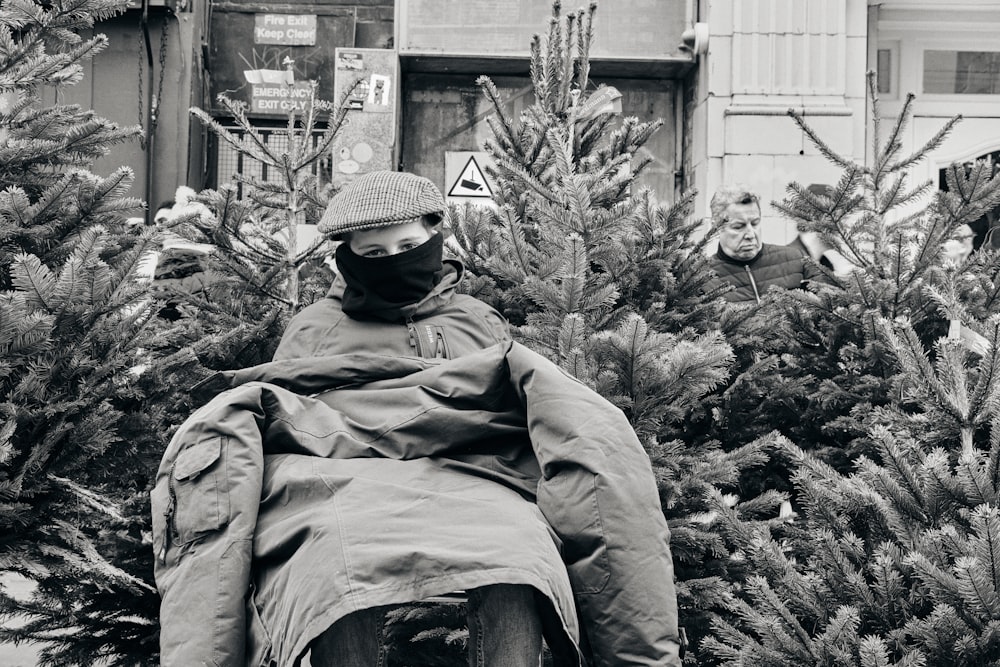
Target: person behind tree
(395,295)
(743,260)
(179,265)
(812,245)
(956,250)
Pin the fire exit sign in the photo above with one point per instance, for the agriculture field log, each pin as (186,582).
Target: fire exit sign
(288,29)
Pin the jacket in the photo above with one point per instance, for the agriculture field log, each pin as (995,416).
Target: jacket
(445,324)
(780,266)
(283,470)
(278,448)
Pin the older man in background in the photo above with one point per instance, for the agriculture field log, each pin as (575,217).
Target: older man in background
(743,260)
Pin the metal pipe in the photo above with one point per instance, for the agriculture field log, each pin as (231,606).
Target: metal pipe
(150,129)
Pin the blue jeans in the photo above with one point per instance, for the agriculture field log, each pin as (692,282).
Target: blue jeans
(504,631)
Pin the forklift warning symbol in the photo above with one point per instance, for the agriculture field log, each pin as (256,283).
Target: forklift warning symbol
(471,182)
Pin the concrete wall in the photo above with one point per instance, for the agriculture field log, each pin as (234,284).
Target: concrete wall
(764,57)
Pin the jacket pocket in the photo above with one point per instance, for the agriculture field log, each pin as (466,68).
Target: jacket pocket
(259,644)
(198,481)
(571,504)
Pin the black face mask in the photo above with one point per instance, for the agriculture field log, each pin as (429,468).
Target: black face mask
(378,287)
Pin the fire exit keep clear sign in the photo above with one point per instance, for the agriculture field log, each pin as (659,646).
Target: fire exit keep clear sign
(290,29)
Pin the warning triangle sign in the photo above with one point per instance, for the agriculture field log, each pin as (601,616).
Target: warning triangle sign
(471,182)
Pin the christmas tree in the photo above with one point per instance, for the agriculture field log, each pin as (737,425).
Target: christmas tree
(835,366)
(257,273)
(609,283)
(888,559)
(73,506)
(95,378)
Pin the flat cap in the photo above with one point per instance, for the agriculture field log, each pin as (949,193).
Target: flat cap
(380,199)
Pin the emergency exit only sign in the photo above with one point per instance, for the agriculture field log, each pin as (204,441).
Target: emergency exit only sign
(288,29)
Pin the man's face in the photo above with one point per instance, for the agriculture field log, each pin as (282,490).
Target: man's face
(391,240)
(163,215)
(739,236)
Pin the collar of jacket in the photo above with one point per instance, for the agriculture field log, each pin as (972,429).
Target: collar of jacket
(451,276)
(739,262)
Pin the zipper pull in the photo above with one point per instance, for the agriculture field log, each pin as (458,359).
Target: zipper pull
(411,330)
(753,283)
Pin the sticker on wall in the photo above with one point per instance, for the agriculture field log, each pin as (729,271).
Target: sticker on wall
(379,98)
(352,159)
(372,93)
(365,80)
(471,182)
(356,100)
(350,60)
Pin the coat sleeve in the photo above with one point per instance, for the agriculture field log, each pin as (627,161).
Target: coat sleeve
(812,274)
(303,332)
(599,495)
(204,510)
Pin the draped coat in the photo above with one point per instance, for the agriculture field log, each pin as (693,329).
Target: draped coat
(320,484)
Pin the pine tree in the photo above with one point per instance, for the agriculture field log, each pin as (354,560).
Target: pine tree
(257,276)
(600,280)
(888,561)
(895,563)
(132,370)
(609,283)
(837,366)
(73,506)
(262,234)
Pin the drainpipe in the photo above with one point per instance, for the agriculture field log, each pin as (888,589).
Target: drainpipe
(694,42)
(150,129)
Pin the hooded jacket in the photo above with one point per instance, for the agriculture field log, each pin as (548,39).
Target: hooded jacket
(445,324)
(269,513)
(774,265)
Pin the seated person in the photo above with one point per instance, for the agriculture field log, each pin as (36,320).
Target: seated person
(395,294)
(400,447)
(743,260)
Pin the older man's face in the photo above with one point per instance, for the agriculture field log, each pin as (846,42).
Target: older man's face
(739,235)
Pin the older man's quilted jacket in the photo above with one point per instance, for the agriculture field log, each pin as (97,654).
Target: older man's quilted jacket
(773,266)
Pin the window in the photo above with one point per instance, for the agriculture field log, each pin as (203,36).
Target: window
(886,65)
(884,70)
(962,72)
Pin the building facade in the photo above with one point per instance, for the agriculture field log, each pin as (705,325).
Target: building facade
(720,73)
(766,56)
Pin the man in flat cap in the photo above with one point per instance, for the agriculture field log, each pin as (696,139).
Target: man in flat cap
(438,457)
(391,274)
(394,294)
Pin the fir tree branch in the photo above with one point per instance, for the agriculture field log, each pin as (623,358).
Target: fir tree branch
(818,142)
(931,144)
